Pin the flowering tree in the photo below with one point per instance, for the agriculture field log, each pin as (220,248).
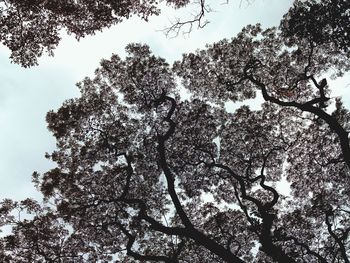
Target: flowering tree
(145,175)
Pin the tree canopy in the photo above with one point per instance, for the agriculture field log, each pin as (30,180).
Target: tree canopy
(323,22)
(146,175)
(30,28)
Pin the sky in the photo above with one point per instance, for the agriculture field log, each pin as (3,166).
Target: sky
(26,95)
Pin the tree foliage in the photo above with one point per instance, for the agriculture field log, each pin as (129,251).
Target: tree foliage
(30,28)
(145,175)
(323,22)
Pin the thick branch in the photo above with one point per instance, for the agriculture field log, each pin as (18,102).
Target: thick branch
(193,233)
(308,107)
(265,237)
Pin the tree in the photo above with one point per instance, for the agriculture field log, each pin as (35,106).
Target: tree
(144,175)
(30,28)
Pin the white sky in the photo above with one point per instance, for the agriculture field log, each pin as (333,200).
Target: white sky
(27,94)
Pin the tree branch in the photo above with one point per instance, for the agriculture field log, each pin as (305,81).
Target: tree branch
(308,107)
(193,233)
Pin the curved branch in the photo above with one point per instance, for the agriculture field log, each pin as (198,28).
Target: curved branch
(265,236)
(199,237)
(308,107)
(137,256)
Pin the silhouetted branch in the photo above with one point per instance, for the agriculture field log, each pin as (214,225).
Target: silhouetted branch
(308,107)
(197,19)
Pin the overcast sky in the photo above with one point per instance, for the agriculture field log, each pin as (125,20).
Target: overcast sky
(27,94)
